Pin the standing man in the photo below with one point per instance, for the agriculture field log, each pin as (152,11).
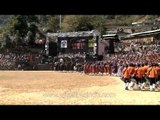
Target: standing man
(126,76)
(152,73)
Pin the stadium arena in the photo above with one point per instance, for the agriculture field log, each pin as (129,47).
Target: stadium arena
(82,68)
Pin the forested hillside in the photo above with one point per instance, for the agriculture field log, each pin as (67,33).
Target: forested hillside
(25,29)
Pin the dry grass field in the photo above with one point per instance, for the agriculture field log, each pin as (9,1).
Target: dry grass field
(57,88)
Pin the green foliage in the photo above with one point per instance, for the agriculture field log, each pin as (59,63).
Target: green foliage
(70,23)
(21,25)
(17,28)
(31,18)
(20,29)
(83,23)
(7,40)
(53,23)
(18,38)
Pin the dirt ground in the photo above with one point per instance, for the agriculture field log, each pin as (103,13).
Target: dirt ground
(57,88)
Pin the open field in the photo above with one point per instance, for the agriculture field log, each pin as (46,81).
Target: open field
(57,88)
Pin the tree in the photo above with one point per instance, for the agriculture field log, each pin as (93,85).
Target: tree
(33,29)
(69,23)
(18,27)
(53,23)
(21,26)
(99,23)
(31,18)
(29,38)
(7,40)
(18,38)
(84,23)
(77,23)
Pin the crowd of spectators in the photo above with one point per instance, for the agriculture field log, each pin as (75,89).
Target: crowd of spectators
(135,55)
(18,59)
